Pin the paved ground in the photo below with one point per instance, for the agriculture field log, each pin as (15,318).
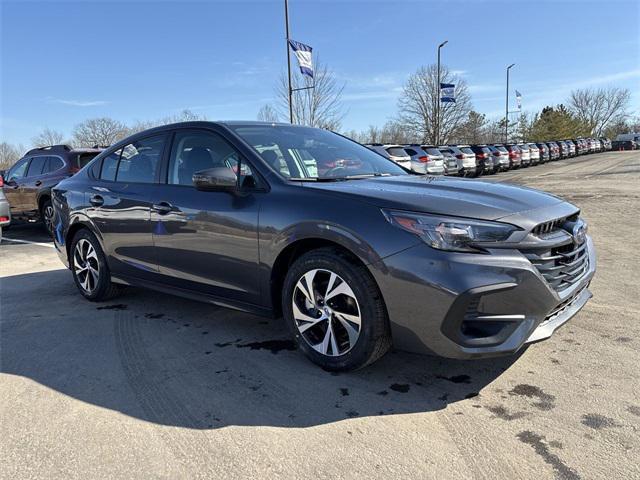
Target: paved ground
(152,386)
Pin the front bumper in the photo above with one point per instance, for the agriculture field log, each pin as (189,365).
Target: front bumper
(462,305)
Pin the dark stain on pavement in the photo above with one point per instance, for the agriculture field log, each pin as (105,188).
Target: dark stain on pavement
(624,339)
(536,441)
(344,392)
(546,401)
(456,378)
(400,387)
(153,315)
(598,422)
(502,412)
(274,346)
(634,410)
(118,306)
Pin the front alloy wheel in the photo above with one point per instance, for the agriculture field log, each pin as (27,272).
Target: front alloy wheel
(335,310)
(326,312)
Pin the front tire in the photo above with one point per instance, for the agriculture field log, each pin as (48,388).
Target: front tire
(89,268)
(335,311)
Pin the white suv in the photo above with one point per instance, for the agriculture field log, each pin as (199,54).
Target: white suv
(392,152)
(423,162)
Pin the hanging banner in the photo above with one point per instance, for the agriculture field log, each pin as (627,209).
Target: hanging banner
(447,92)
(303,54)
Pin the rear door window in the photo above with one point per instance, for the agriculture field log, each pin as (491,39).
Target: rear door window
(36,166)
(140,159)
(110,166)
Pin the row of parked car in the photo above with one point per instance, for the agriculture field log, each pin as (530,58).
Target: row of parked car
(483,159)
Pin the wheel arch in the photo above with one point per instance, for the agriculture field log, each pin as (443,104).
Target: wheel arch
(290,254)
(74,228)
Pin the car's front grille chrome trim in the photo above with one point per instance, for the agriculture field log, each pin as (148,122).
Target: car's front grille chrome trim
(561,266)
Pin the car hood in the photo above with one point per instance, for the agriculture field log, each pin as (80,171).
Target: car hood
(446,196)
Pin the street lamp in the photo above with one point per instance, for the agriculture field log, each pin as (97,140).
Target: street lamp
(437,122)
(506,110)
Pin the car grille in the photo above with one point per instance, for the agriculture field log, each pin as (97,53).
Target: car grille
(561,266)
(552,225)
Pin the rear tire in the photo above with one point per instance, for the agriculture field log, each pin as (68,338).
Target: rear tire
(345,326)
(89,268)
(46,215)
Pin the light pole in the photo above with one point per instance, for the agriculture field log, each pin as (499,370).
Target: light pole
(286,18)
(506,109)
(437,123)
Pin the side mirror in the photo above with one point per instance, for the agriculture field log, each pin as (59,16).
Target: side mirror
(215,179)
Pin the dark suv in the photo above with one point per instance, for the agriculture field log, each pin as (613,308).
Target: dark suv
(355,252)
(28,183)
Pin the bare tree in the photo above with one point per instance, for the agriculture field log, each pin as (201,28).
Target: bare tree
(316,107)
(418,104)
(268,114)
(48,137)
(185,115)
(98,131)
(597,108)
(473,129)
(9,154)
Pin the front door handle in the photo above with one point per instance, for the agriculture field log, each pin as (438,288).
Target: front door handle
(38,183)
(162,208)
(97,201)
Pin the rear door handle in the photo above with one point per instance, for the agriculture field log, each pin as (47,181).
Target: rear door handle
(97,201)
(162,208)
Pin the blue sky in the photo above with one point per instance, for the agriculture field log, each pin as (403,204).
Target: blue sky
(63,62)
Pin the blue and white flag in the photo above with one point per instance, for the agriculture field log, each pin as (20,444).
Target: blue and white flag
(519,99)
(303,54)
(447,92)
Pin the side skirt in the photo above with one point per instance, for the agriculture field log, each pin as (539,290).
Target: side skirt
(198,296)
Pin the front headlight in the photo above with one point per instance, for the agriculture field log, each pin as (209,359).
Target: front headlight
(452,234)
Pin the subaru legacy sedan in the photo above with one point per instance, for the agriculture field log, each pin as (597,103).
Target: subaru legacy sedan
(355,253)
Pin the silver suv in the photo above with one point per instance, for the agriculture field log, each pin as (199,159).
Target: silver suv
(423,162)
(392,152)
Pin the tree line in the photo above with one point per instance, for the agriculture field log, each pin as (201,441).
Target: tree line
(586,112)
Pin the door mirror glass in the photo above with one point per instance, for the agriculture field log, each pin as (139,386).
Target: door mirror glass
(215,179)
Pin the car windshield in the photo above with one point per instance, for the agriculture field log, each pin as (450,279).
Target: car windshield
(305,153)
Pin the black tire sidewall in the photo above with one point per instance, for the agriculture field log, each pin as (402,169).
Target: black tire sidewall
(373,324)
(49,229)
(104,277)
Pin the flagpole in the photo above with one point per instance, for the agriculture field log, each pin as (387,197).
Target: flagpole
(437,129)
(286,17)
(506,110)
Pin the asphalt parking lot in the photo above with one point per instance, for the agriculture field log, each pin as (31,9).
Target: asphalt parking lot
(153,386)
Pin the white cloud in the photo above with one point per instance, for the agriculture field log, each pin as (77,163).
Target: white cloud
(77,103)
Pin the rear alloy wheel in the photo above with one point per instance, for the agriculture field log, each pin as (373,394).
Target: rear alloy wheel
(46,213)
(335,310)
(89,268)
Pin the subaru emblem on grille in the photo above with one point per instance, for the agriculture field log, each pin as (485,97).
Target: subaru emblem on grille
(579,233)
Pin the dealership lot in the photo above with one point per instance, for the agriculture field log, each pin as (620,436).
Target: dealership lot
(159,386)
